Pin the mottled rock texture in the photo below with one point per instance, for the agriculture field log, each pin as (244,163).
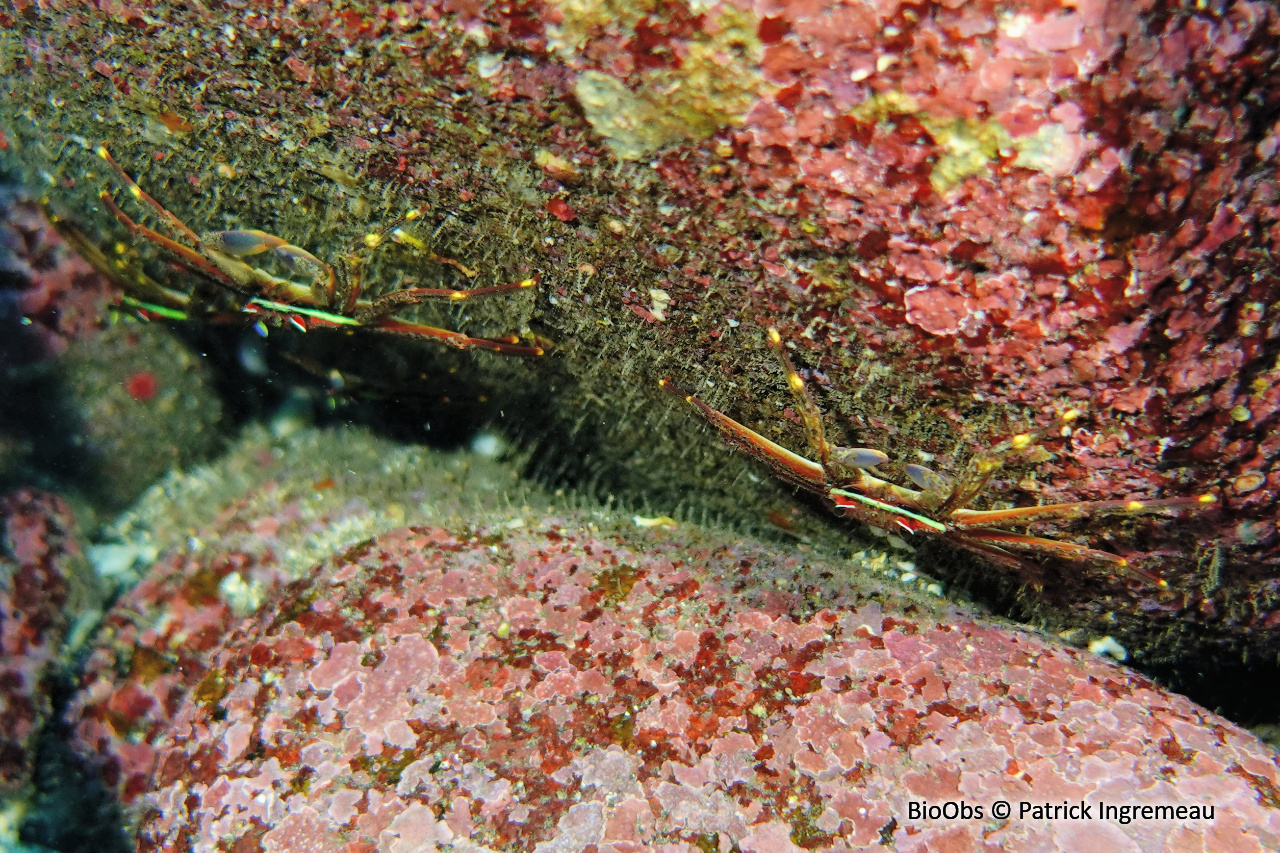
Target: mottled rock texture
(551,688)
(524,671)
(43,580)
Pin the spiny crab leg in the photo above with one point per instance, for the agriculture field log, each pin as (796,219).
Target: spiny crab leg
(137,192)
(507,346)
(401,236)
(188,255)
(788,466)
(985,542)
(1078,509)
(393,302)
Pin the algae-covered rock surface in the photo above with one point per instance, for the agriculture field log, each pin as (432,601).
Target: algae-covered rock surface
(963,222)
(391,648)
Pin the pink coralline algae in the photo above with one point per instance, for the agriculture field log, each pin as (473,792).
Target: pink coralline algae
(565,691)
(149,655)
(38,575)
(59,295)
(151,648)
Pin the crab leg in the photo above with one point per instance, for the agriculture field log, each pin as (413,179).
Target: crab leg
(981,540)
(153,291)
(809,412)
(1040,543)
(791,467)
(455,339)
(137,192)
(392,302)
(188,255)
(400,236)
(981,469)
(1078,509)
(349,289)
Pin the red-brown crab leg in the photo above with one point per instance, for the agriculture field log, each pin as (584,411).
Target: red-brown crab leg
(791,467)
(355,285)
(188,255)
(1068,550)
(1062,549)
(137,192)
(980,540)
(401,236)
(1078,509)
(455,339)
(392,302)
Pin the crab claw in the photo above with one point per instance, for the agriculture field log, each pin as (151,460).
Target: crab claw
(858,457)
(927,478)
(241,244)
(250,241)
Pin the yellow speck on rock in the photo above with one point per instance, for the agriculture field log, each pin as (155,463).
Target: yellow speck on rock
(969,147)
(658,521)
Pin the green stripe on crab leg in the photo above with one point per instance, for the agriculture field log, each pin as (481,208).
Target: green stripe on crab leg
(843,497)
(285,308)
(152,308)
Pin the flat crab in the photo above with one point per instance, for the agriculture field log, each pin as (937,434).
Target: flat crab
(333,297)
(936,507)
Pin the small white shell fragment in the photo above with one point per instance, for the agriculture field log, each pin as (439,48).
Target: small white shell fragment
(661,299)
(489,65)
(243,598)
(1108,647)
